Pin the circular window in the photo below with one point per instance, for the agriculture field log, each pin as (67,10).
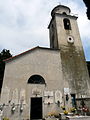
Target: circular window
(70,39)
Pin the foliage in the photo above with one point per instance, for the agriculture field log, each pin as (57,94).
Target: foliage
(65,112)
(63,107)
(73,109)
(85,109)
(5,118)
(3,55)
(52,114)
(87,3)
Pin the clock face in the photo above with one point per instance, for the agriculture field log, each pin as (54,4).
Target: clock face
(70,39)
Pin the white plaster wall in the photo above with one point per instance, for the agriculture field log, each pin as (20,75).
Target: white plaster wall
(43,62)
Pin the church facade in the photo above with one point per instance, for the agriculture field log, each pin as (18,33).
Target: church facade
(41,80)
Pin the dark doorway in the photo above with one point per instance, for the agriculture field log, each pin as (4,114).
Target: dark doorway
(36,108)
(73,97)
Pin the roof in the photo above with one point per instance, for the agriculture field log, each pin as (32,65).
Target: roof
(60,6)
(30,50)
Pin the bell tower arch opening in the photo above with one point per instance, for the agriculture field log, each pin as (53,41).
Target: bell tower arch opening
(67,24)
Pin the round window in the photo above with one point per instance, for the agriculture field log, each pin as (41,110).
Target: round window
(70,39)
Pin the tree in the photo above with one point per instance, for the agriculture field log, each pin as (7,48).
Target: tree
(3,55)
(87,3)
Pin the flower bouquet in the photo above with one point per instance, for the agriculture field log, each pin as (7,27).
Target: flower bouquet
(63,107)
(5,118)
(65,112)
(73,110)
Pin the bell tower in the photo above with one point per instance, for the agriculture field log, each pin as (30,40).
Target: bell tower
(64,35)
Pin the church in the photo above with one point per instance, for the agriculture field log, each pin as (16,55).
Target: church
(41,80)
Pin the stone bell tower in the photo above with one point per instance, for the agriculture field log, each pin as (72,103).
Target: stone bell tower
(64,35)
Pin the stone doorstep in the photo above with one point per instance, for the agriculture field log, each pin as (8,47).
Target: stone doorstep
(78,118)
(63,116)
(52,119)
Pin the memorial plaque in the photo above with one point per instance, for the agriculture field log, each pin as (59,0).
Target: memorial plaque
(1,113)
(58,96)
(48,100)
(15,96)
(6,92)
(48,93)
(48,97)
(36,91)
(22,96)
(66,91)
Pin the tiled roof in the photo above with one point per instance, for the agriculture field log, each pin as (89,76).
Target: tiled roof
(6,60)
(20,54)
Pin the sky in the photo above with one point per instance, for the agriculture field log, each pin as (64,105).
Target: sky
(23,23)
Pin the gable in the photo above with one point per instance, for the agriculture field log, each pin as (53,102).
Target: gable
(28,52)
(36,57)
(42,62)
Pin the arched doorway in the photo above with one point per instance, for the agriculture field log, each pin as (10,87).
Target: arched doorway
(36,107)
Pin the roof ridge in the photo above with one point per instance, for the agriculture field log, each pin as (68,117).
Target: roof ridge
(20,54)
(27,52)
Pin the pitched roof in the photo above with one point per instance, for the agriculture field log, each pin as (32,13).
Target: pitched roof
(30,50)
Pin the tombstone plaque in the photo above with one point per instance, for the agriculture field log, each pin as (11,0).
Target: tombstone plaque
(22,96)
(48,97)
(58,96)
(15,96)
(6,92)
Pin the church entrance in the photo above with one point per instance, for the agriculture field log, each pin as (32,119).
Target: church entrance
(36,108)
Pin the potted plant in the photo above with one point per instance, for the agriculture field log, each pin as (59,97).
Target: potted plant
(63,107)
(65,112)
(5,118)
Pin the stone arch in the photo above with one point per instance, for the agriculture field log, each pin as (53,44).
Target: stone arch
(36,79)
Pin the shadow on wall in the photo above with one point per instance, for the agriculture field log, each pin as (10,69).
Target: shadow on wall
(88,66)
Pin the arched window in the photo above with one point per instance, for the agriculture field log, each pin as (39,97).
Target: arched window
(36,79)
(67,24)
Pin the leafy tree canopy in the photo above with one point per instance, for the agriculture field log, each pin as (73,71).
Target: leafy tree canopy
(4,54)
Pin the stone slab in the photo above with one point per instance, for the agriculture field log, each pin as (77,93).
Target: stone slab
(78,118)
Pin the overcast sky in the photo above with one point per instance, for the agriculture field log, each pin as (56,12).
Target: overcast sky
(23,23)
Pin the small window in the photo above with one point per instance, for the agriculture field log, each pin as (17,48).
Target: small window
(67,24)
(36,79)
